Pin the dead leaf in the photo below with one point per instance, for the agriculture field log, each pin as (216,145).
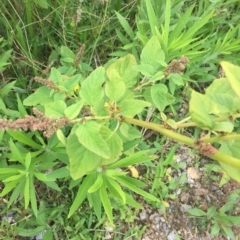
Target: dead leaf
(193,173)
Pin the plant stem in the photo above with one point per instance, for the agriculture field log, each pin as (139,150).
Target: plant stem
(221,138)
(218,156)
(219,119)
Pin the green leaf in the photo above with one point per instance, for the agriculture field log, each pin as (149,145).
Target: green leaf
(159,96)
(91,90)
(97,184)
(6,88)
(232,73)
(134,188)
(215,228)
(8,187)
(59,173)
(55,109)
(81,159)
(199,110)
(196,212)
(43,177)
(67,53)
(129,108)
(131,160)
(55,76)
(115,90)
(110,183)
(223,127)
(73,111)
(4,60)
(231,148)
(122,69)
(61,137)
(151,16)
(125,25)
(41,3)
(106,203)
(16,155)
(210,212)
(28,159)
(81,194)
(145,69)
(21,108)
(33,197)
(114,143)
(93,199)
(88,136)
(26,193)
(152,53)
(71,82)
(30,232)
(40,96)
(24,138)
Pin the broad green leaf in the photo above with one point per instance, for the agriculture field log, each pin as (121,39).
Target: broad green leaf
(135,158)
(73,111)
(55,76)
(231,148)
(40,96)
(135,189)
(81,159)
(123,69)
(31,232)
(24,138)
(55,109)
(223,127)
(72,82)
(97,184)
(67,53)
(115,90)
(145,69)
(159,96)
(199,110)
(91,90)
(232,73)
(129,108)
(114,143)
(106,202)
(196,212)
(81,194)
(88,136)
(152,53)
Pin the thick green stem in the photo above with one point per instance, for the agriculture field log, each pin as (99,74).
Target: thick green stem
(218,156)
